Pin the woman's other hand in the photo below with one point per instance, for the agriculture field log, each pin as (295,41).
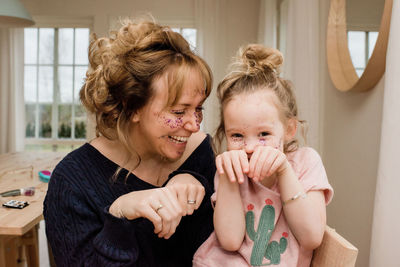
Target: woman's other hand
(189,191)
(161,206)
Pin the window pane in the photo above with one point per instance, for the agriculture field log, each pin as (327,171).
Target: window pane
(176,30)
(64,120)
(30,84)
(357,48)
(30,45)
(30,111)
(190,36)
(80,122)
(372,37)
(81,46)
(80,75)
(46,46)
(359,72)
(45,120)
(65,45)
(45,84)
(65,84)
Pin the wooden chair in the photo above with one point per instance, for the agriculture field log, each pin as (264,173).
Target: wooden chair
(335,251)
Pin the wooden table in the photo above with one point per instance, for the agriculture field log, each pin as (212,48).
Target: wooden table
(19,227)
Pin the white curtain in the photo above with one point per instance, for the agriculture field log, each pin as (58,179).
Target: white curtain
(299,41)
(268,23)
(12,118)
(385,228)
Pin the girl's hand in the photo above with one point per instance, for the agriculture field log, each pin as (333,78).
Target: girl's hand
(161,206)
(234,164)
(189,191)
(266,161)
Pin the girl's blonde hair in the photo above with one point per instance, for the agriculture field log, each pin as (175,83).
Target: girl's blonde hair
(256,67)
(123,68)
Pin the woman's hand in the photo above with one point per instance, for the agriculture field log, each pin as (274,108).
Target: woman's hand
(266,161)
(234,164)
(161,206)
(189,191)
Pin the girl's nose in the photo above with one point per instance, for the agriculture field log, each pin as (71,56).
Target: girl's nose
(249,146)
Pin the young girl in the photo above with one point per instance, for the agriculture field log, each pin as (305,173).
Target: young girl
(270,195)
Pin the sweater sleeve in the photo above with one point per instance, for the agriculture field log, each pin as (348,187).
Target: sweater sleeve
(78,237)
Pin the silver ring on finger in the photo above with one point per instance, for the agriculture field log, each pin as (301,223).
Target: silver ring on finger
(191,201)
(159,207)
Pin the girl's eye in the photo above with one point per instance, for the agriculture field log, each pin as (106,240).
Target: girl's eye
(264,134)
(236,135)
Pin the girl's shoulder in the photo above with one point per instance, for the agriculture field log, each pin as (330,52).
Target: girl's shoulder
(304,152)
(304,156)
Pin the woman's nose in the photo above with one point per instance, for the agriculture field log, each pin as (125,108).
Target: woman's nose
(192,123)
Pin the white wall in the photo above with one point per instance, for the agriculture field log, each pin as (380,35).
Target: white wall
(364,14)
(351,140)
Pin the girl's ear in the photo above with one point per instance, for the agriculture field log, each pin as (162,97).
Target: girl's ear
(291,129)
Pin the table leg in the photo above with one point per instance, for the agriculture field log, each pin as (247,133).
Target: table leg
(2,251)
(31,242)
(8,251)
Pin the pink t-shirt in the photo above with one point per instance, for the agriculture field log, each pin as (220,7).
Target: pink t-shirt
(268,239)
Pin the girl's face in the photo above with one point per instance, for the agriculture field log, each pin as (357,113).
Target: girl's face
(253,119)
(161,130)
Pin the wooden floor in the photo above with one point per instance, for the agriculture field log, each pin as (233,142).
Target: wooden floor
(43,253)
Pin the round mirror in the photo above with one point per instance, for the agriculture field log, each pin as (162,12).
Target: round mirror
(356,51)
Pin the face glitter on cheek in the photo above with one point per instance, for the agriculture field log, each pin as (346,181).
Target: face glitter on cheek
(270,141)
(199,118)
(262,142)
(172,123)
(236,142)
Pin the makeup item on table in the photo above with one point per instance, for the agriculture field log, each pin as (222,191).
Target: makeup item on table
(27,191)
(16,204)
(44,176)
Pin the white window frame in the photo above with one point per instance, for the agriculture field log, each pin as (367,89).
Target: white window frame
(56,23)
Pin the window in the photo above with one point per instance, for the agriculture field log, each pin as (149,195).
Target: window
(190,34)
(361,46)
(55,65)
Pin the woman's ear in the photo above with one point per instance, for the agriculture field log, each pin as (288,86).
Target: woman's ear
(291,129)
(135,117)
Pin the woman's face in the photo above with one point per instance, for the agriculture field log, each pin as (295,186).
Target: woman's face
(161,130)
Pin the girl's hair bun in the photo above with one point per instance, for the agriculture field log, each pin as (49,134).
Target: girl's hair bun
(256,57)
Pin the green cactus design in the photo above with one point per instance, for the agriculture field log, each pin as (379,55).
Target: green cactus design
(261,248)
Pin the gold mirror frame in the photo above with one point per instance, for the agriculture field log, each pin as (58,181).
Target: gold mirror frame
(341,69)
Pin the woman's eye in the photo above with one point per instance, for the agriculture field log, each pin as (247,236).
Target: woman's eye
(199,109)
(178,112)
(264,134)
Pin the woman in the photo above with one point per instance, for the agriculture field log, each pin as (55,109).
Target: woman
(134,196)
